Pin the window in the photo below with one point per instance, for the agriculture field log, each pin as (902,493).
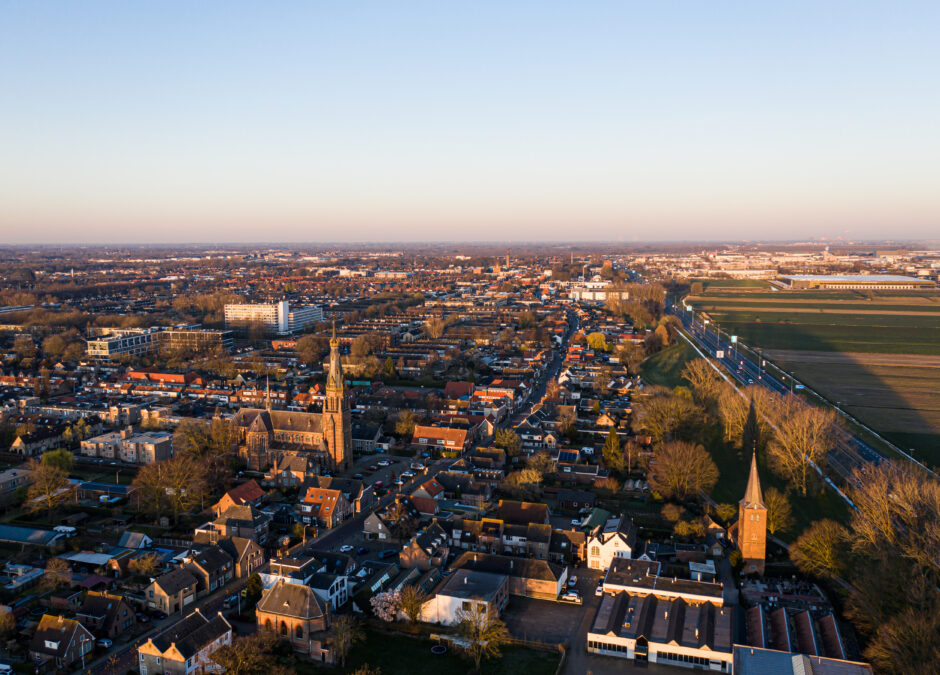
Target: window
(299,632)
(595,550)
(283,628)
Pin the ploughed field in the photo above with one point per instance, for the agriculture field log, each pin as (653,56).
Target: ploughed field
(877,353)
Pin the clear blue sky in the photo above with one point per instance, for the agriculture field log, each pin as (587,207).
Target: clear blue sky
(375,121)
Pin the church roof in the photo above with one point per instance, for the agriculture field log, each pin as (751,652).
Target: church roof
(753,496)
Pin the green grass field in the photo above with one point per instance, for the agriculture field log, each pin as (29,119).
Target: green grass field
(665,368)
(709,284)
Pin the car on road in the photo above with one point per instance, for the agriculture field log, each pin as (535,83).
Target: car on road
(373,467)
(378,485)
(573,580)
(103,643)
(407,474)
(600,589)
(385,462)
(571,596)
(346,548)
(417,466)
(576,522)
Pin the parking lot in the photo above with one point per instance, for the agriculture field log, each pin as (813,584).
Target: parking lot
(551,621)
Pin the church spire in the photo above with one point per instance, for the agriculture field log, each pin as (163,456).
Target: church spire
(752,495)
(267,392)
(334,381)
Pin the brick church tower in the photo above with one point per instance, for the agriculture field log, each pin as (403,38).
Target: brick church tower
(337,427)
(751,530)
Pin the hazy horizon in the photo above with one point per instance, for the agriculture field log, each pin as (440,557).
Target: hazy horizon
(609,122)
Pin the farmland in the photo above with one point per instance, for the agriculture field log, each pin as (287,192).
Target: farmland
(875,353)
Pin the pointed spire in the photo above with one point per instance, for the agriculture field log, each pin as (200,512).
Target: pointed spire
(267,392)
(752,495)
(334,381)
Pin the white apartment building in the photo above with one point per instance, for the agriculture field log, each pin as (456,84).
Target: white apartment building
(276,315)
(114,341)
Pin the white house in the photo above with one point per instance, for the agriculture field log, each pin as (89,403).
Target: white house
(614,539)
(462,590)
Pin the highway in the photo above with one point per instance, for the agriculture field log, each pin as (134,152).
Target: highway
(849,452)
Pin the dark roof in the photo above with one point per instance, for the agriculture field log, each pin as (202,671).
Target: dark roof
(58,630)
(291,600)
(641,575)
(521,513)
(524,568)
(466,583)
(191,634)
(211,558)
(173,582)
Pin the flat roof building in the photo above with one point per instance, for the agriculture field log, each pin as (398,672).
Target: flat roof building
(275,315)
(854,281)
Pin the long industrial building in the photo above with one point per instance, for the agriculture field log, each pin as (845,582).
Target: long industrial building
(854,281)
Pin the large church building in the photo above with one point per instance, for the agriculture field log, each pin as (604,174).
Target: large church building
(324,437)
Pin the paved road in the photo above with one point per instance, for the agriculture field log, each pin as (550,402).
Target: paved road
(850,452)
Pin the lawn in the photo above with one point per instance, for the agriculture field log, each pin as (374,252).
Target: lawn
(402,655)
(665,367)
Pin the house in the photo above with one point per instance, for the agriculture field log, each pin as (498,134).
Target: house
(212,567)
(567,547)
(324,507)
(186,646)
(296,615)
(353,490)
(442,438)
(616,538)
(397,520)
(11,480)
(332,589)
(530,578)
(247,493)
(241,521)
(171,592)
(521,513)
(464,488)
(60,641)
(428,548)
(365,437)
(463,591)
(290,469)
(247,556)
(105,614)
(575,500)
(429,489)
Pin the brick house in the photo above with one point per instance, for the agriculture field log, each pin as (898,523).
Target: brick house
(295,614)
(60,641)
(185,647)
(106,615)
(171,592)
(325,507)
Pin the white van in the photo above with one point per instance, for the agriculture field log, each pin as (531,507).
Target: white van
(65,530)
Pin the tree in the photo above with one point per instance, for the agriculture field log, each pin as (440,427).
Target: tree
(405,426)
(597,342)
(388,368)
(508,440)
(609,484)
(779,512)
(346,632)
(435,327)
(568,421)
(60,458)
(908,643)
(802,439)
(49,488)
(821,549)
(666,416)
(386,605)
(725,512)
(174,485)
(673,512)
(58,573)
(53,346)
(145,565)
(704,382)
(541,462)
(366,669)
(24,346)
(412,602)
(524,484)
(209,445)
(254,585)
(682,470)
(484,632)
(612,452)
(250,655)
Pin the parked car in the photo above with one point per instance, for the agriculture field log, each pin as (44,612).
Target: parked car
(373,467)
(417,466)
(576,522)
(600,589)
(385,462)
(407,474)
(104,643)
(230,601)
(346,548)
(571,596)
(357,476)
(573,580)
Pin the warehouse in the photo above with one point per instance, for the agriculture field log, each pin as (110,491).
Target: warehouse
(854,281)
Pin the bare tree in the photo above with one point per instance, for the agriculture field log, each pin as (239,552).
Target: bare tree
(821,549)
(666,416)
(174,485)
(705,383)
(802,439)
(250,655)
(779,511)
(412,601)
(58,573)
(49,487)
(681,470)
(346,632)
(481,627)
